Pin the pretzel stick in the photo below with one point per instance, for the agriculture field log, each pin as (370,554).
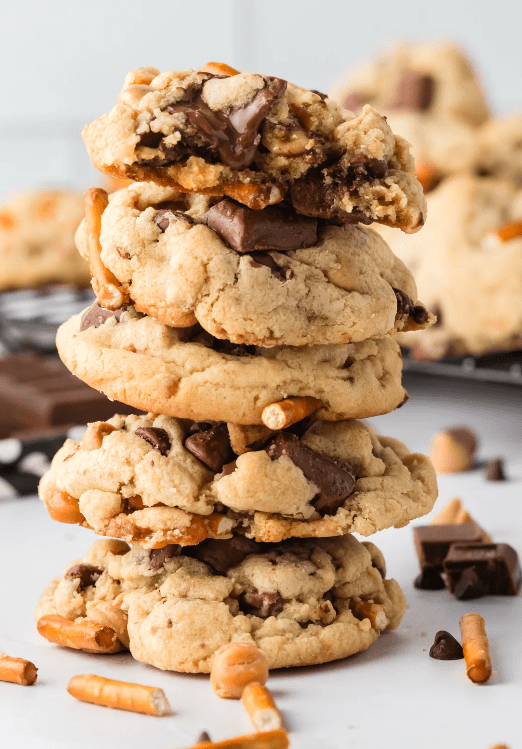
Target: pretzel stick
(504,234)
(476,648)
(17,670)
(105,284)
(285,413)
(266,740)
(119,694)
(83,635)
(261,708)
(372,611)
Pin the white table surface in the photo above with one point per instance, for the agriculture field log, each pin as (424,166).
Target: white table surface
(391,697)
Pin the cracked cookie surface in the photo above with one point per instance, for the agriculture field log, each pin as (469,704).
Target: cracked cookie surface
(334,285)
(297,601)
(37,240)
(258,139)
(155,480)
(185,372)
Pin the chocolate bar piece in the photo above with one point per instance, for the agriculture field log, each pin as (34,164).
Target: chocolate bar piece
(38,392)
(475,569)
(432,542)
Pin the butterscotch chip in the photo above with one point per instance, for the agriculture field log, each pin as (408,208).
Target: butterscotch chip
(453,450)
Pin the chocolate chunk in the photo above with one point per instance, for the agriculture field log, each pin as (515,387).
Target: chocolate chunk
(87,574)
(150,139)
(158,557)
(277,227)
(477,568)
(432,542)
(316,193)
(170,210)
(301,427)
(495,471)
(282,273)
(222,555)
(203,736)
(212,447)
(261,604)
(233,137)
(429,579)
(200,426)
(406,308)
(469,585)
(334,482)
(414,91)
(446,648)
(355,101)
(158,438)
(97,315)
(229,468)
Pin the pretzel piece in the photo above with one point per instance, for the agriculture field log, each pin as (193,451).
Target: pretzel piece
(106,286)
(95,432)
(17,670)
(428,175)
(368,610)
(265,740)
(244,438)
(83,635)
(122,695)
(63,507)
(285,413)
(219,68)
(455,513)
(504,234)
(235,665)
(476,648)
(261,708)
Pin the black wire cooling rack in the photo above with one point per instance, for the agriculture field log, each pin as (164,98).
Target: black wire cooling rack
(504,367)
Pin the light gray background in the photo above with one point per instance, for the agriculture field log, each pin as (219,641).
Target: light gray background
(63,61)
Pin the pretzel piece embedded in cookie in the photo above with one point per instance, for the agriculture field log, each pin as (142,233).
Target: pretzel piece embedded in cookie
(106,286)
(219,68)
(368,610)
(285,413)
(119,694)
(82,635)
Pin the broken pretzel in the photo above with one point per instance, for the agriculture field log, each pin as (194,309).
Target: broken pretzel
(122,695)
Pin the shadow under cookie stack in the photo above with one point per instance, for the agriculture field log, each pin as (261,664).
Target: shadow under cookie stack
(244,304)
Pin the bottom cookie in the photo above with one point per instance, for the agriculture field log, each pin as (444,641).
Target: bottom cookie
(302,602)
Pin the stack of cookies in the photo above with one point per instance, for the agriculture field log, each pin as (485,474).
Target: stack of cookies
(245,305)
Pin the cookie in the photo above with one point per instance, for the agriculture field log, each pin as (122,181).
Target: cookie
(499,151)
(185,259)
(155,480)
(300,602)
(87,592)
(257,139)
(434,79)
(37,240)
(186,372)
(468,268)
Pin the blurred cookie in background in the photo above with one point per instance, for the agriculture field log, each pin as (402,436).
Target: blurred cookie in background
(431,95)
(468,267)
(499,148)
(37,240)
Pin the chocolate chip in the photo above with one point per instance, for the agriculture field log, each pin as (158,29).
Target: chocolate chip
(429,579)
(355,100)
(203,736)
(446,648)
(150,139)
(363,169)
(212,447)
(261,604)
(301,427)
(170,210)
(229,468)
(234,136)
(282,273)
(466,437)
(96,315)
(495,471)
(158,557)
(221,555)
(334,482)
(158,438)
(406,308)
(414,91)
(200,426)
(87,574)
(276,227)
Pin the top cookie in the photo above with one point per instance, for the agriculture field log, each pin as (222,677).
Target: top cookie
(436,79)
(253,277)
(37,240)
(257,139)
